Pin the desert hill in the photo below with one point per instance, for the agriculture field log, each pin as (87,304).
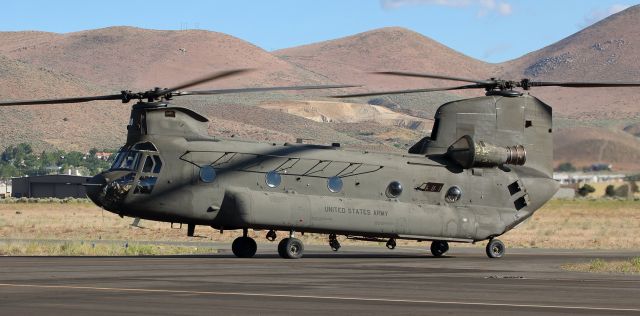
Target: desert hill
(350,59)
(272,124)
(69,126)
(133,58)
(606,51)
(340,112)
(104,61)
(25,40)
(589,122)
(584,146)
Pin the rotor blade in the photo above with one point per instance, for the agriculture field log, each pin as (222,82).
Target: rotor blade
(432,76)
(64,100)
(244,90)
(369,94)
(583,84)
(212,77)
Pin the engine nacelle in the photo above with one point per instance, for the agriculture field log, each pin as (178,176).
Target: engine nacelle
(470,153)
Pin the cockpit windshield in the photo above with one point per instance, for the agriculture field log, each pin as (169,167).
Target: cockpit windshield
(127,160)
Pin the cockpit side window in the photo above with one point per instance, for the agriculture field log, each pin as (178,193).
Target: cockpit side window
(130,161)
(147,181)
(158,166)
(118,160)
(148,164)
(127,160)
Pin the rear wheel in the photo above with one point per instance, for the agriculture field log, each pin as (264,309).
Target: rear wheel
(439,248)
(244,247)
(291,248)
(495,248)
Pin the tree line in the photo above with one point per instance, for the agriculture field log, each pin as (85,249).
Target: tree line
(21,160)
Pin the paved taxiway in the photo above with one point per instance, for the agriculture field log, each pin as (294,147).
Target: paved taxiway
(356,280)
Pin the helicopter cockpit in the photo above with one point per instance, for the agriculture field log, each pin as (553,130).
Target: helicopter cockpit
(135,168)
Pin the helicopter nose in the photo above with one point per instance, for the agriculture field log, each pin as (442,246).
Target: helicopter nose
(95,188)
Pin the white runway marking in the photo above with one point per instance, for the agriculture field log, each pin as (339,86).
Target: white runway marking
(335,298)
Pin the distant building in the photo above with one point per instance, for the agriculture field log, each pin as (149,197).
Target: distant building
(5,189)
(600,167)
(566,178)
(103,155)
(56,186)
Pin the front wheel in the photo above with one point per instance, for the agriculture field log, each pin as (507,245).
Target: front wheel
(495,248)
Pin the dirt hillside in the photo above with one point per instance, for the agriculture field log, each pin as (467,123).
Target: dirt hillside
(606,51)
(42,65)
(68,126)
(585,146)
(350,59)
(133,58)
(339,112)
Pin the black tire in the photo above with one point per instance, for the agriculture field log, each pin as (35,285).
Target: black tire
(291,248)
(281,246)
(495,248)
(439,248)
(244,247)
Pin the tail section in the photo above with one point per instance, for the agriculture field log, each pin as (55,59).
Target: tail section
(508,122)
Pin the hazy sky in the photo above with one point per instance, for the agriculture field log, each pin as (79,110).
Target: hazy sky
(490,30)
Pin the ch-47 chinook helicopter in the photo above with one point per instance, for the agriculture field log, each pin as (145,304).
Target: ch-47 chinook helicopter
(485,168)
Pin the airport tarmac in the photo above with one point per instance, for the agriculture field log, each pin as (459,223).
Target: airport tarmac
(355,280)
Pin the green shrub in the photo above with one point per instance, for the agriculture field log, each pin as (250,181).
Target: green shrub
(597,265)
(585,190)
(610,191)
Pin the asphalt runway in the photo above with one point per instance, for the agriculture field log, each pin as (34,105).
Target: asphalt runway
(356,281)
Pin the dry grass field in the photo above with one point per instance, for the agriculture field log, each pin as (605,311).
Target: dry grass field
(579,224)
(81,248)
(630,266)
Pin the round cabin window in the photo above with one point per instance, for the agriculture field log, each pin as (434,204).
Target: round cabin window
(334,184)
(207,173)
(394,189)
(273,179)
(453,194)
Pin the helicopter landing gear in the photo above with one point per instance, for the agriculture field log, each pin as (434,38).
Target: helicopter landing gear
(291,248)
(333,242)
(245,246)
(439,248)
(391,243)
(495,248)
(271,235)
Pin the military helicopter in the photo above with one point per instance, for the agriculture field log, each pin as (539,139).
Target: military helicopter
(485,168)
